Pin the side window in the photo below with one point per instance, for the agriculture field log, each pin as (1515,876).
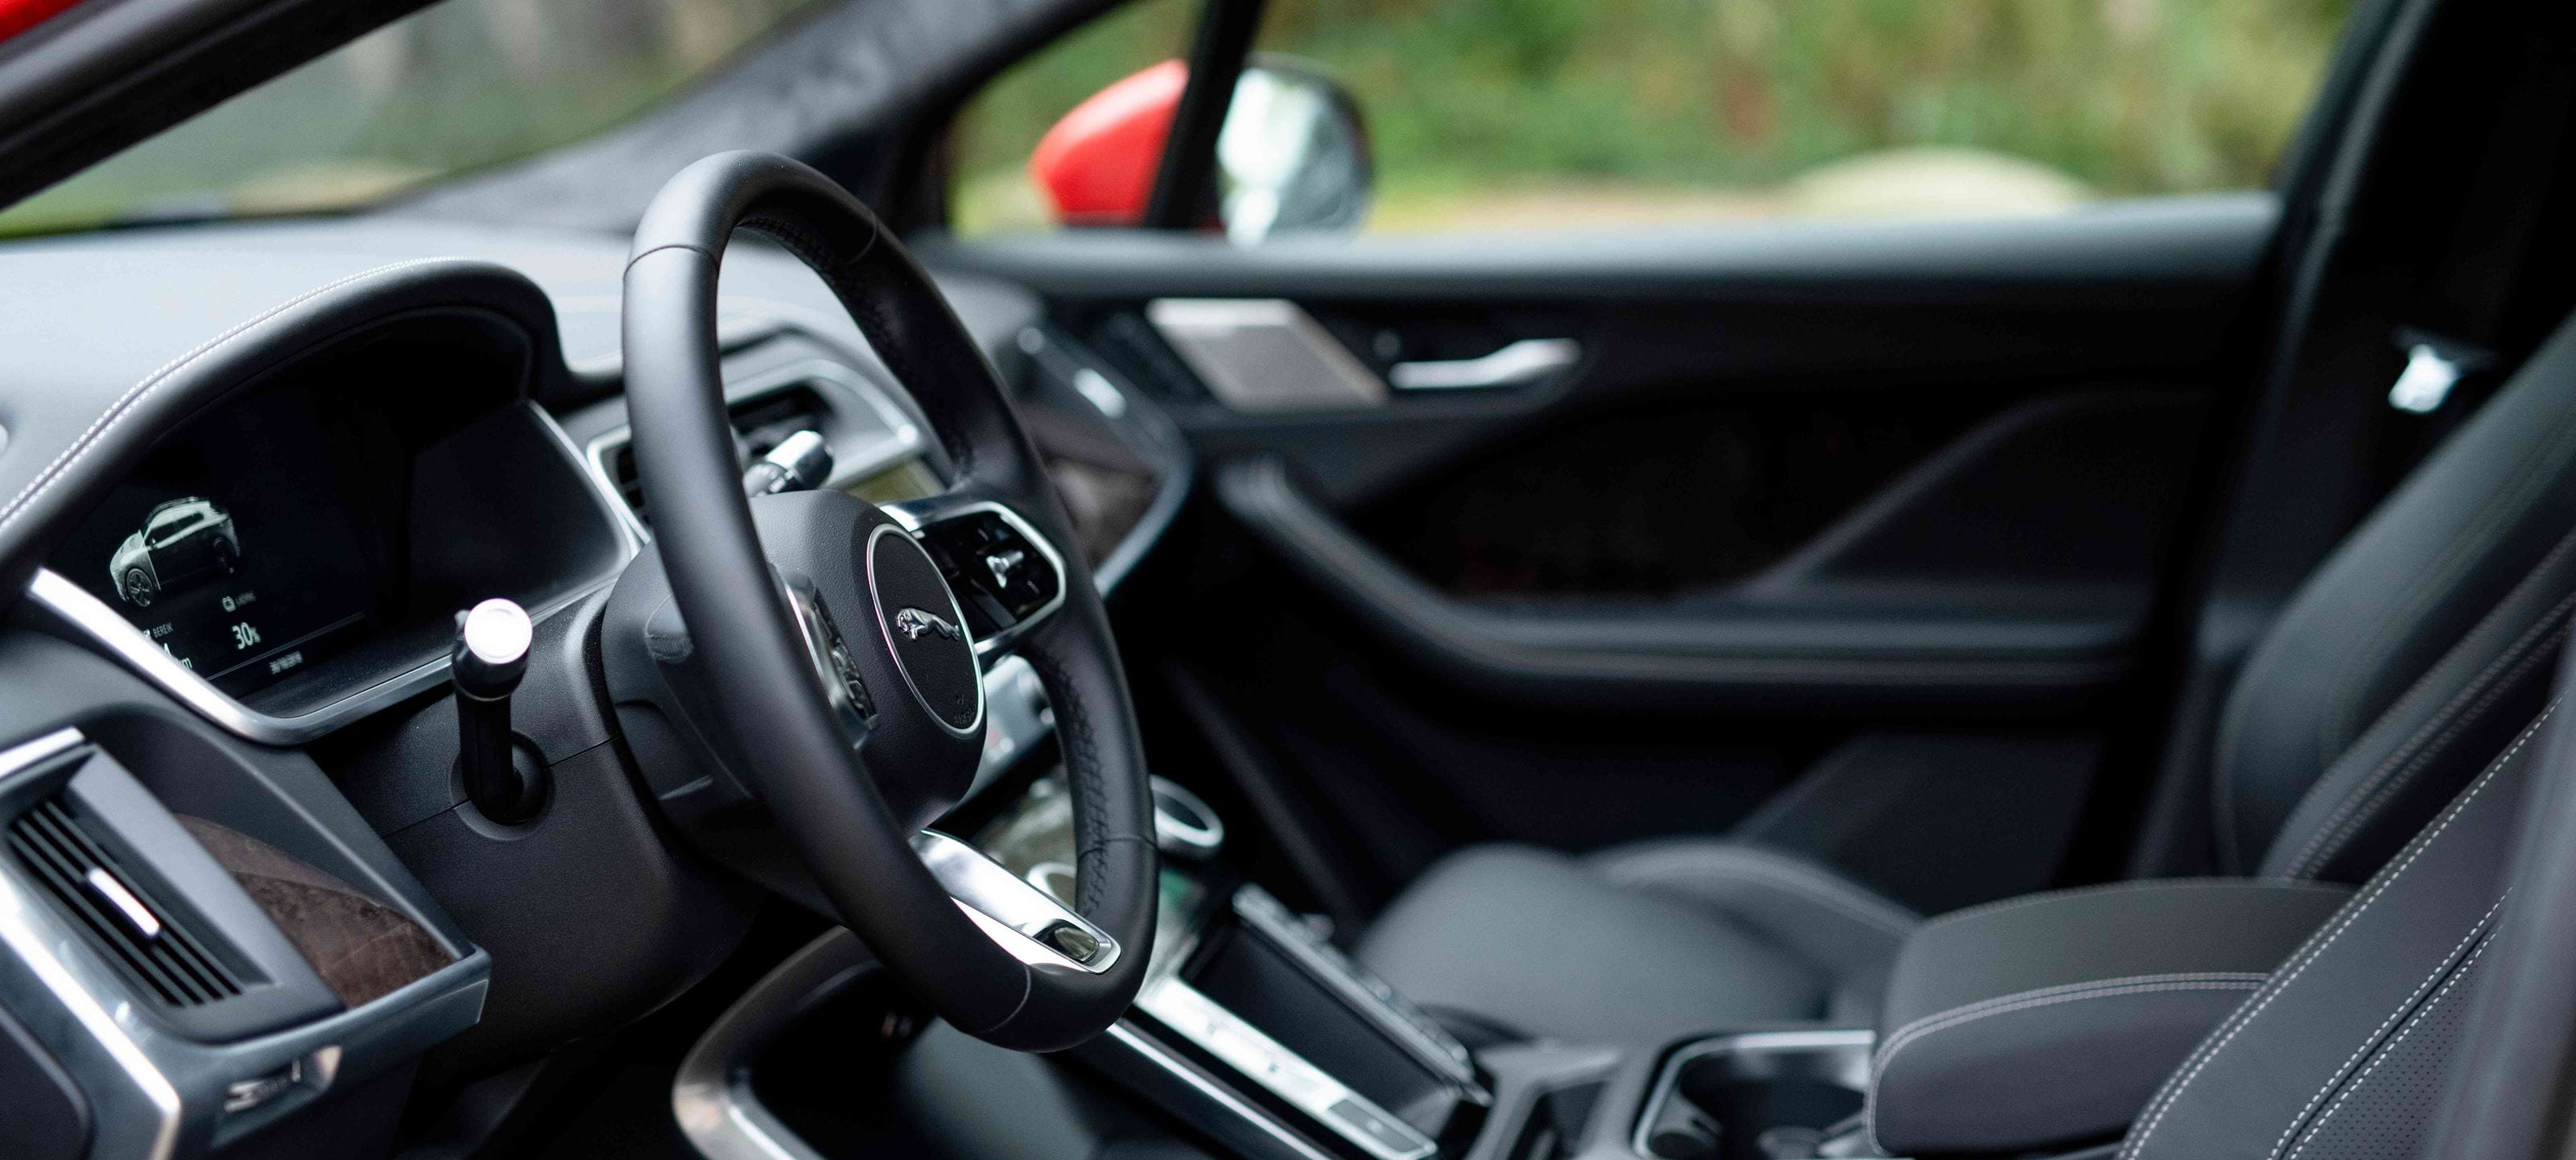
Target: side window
(991,191)
(1422,116)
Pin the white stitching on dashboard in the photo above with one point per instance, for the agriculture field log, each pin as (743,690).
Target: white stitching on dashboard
(125,403)
(2317,945)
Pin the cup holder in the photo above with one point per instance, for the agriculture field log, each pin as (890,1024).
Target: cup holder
(1184,826)
(1783,1095)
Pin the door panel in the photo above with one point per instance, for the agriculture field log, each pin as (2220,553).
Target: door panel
(1800,484)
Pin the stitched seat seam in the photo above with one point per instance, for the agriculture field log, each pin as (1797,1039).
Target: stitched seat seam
(2030,1000)
(2318,944)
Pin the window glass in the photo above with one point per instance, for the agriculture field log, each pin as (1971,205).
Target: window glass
(1513,114)
(457,87)
(998,129)
(1505,115)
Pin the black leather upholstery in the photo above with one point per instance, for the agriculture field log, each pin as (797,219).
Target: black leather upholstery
(2048,1020)
(1622,947)
(2403,666)
(2344,1052)
(2416,650)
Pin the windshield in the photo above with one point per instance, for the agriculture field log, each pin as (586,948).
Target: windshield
(458,87)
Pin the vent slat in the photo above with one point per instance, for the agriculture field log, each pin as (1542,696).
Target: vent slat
(177,966)
(53,860)
(72,855)
(761,423)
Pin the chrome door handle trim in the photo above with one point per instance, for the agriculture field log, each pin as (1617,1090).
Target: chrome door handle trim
(1518,364)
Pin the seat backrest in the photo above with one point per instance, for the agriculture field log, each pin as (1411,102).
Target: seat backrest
(2347,1051)
(2416,650)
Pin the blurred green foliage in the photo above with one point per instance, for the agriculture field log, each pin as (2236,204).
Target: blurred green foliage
(2123,97)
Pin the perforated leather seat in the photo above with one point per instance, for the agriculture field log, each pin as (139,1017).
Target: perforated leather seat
(2400,669)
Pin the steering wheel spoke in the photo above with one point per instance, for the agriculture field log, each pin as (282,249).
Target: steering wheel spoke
(1020,918)
(1008,576)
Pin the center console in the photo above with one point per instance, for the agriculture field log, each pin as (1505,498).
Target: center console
(1254,1037)
(1249,1010)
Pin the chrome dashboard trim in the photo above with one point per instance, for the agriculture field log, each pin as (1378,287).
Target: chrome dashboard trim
(1393,1015)
(1201,839)
(711,1095)
(1320,1095)
(93,619)
(57,594)
(30,932)
(602,492)
(905,440)
(149,1088)
(1125,1035)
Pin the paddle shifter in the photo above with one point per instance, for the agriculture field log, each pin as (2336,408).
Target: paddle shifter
(491,654)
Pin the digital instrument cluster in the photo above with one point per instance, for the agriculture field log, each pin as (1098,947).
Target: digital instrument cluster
(234,549)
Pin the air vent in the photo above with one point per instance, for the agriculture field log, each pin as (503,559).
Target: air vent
(760,422)
(138,935)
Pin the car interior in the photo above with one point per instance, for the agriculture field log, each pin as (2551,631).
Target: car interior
(678,646)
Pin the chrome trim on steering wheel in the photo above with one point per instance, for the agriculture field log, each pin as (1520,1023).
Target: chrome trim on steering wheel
(852,705)
(1023,919)
(918,515)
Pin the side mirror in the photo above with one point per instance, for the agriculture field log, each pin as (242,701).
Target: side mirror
(1291,157)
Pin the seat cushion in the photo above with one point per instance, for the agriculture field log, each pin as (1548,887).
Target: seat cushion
(1638,944)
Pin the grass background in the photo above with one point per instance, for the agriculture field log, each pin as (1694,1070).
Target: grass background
(1494,111)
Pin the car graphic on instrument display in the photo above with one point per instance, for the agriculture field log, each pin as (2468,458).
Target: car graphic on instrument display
(181,542)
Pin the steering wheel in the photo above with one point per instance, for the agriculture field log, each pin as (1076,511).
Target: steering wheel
(857,740)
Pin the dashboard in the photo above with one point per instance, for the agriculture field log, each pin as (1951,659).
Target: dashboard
(311,534)
(248,476)
(293,552)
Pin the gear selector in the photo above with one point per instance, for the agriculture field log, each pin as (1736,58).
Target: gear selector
(491,655)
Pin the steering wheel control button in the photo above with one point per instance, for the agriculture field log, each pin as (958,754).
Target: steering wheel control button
(1076,943)
(924,630)
(836,669)
(1001,575)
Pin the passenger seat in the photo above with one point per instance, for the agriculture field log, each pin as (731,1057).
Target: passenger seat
(2402,667)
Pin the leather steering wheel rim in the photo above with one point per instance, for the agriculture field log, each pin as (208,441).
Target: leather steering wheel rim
(817,787)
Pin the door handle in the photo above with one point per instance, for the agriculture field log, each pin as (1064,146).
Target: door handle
(1518,364)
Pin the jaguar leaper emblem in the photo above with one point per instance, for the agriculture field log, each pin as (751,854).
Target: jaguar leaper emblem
(914,624)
